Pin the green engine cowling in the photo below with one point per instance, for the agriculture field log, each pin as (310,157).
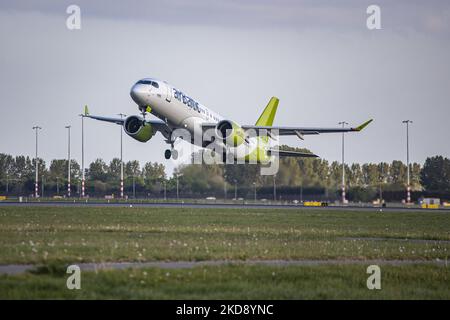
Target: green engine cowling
(138,129)
(231,132)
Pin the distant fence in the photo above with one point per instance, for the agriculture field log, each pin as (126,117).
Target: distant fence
(283,193)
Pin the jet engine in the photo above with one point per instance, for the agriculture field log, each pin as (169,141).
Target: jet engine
(231,132)
(138,129)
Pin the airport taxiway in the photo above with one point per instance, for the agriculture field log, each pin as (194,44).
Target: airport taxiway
(218,205)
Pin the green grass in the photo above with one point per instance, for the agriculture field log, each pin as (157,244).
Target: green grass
(46,235)
(236,282)
(56,236)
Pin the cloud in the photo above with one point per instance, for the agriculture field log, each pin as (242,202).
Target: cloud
(428,17)
(217,54)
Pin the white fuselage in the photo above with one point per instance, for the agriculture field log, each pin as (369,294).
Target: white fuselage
(180,111)
(172,106)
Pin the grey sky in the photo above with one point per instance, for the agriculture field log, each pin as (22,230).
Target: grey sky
(318,57)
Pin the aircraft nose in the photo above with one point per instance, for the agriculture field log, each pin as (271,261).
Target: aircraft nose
(137,93)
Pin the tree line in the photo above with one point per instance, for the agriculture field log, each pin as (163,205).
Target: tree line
(17,176)
(296,176)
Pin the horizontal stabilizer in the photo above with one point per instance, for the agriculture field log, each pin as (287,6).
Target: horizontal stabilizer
(282,153)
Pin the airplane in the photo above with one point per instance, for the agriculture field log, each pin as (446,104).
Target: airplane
(177,111)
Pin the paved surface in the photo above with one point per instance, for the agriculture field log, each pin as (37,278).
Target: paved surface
(211,205)
(18,269)
(429,241)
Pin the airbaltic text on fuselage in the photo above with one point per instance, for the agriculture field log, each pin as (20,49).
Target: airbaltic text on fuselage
(194,105)
(191,103)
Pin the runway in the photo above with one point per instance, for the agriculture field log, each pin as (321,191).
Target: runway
(243,205)
(217,205)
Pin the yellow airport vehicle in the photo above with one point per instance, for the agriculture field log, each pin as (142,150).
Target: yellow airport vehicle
(2,198)
(431,203)
(315,204)
(430,206)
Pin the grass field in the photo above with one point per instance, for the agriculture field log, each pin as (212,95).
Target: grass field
(57,236)
(235,282)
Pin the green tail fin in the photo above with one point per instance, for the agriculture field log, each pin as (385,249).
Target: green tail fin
(266,118)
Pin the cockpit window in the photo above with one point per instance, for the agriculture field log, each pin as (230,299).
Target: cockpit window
(144,82)
(153,83)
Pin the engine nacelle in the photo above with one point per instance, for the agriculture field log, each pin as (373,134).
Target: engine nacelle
(136,128)
(231,132)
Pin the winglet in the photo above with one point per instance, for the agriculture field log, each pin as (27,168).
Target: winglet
(86,110)
(365,124)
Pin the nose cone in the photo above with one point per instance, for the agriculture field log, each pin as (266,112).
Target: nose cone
(137,93)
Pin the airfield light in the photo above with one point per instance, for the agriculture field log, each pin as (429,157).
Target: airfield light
(254,185)
(121,157)
(343,123)
(36,195)
(408,187)
(68,161)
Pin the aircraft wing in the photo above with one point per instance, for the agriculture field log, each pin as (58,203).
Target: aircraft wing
(106,119)
(298,131)
(283,153)
(156,124)
(301,131)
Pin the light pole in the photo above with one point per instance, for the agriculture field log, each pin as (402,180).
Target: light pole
(235,190)
(343,123)
(163,181)
(408,188)
(224,184)
(8,179)
(254,184)
(121,157)
(178,194)
(36,195)
(274,188)
(165,190)
(301,192)
(68,161)
(82,154)
(134,185)
(381,181)
(42,186)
